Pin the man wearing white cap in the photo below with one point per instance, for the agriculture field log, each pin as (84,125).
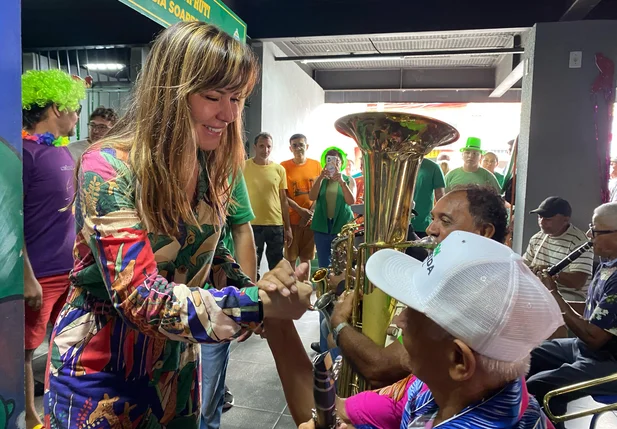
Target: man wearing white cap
(474,313)
(471,208)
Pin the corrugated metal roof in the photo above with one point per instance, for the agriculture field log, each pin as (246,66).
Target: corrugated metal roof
(412,42)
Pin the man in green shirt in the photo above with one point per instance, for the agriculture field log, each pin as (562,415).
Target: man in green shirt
(471,173)
(237,236)
(430,186)
(489,162)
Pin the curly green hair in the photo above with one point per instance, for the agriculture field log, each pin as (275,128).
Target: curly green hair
(42,87)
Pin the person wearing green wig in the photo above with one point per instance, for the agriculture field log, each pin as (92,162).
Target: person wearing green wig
(51,105)
(50,110)
(334,193)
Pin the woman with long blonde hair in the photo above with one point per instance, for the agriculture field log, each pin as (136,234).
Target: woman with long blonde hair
(150,276)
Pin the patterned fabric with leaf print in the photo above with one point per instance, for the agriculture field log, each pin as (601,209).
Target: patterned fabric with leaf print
(601,305)
(124,350)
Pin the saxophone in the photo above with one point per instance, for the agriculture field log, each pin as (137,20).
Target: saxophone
(393,147)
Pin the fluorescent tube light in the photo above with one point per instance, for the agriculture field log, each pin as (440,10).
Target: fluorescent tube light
(105,66)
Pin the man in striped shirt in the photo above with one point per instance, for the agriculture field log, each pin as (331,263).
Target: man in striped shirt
(555,240)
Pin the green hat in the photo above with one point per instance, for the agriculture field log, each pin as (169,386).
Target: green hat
(473,143)
(339,150)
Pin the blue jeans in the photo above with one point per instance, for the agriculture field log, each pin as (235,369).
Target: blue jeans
(214,358)
(323,243)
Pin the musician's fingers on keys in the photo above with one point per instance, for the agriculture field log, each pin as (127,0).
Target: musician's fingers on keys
(547,280)
(538,269)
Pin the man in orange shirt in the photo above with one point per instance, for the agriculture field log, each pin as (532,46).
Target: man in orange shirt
(301,174)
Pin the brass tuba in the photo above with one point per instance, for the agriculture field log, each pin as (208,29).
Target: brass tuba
(393,147)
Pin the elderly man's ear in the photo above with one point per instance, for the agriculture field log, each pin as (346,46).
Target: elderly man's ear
(462,361)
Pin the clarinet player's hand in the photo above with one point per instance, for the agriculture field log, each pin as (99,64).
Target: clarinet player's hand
(547,281)
(537,269)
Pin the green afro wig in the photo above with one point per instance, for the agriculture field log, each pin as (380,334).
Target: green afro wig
(42,87)
(340,151)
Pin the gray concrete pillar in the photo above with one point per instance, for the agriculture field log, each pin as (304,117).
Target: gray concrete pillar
(558,153)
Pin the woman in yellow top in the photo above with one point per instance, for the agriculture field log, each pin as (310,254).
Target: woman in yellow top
(151,278)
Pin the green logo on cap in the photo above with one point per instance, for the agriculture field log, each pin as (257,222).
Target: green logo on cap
(437,250)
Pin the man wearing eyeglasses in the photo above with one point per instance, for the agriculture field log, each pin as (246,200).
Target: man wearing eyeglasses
(301,174)
(101,121)
(555,240)
(593,353)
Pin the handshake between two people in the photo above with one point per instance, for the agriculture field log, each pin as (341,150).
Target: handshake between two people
(283,296)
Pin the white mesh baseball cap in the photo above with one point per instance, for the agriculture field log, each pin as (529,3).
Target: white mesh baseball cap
(475,288)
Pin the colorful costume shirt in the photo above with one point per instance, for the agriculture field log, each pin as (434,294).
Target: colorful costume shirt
(124,350)
(414,407)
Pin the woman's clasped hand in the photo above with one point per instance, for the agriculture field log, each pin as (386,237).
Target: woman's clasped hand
(282,295)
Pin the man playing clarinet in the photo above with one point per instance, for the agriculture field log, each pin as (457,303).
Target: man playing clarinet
(593,353)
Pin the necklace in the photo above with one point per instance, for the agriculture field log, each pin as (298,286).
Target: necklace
(47,139)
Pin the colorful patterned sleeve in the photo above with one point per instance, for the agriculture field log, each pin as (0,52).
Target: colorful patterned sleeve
(144,298)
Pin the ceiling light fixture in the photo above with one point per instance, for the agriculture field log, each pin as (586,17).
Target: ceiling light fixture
(351,59)
(105,66)
(510,80)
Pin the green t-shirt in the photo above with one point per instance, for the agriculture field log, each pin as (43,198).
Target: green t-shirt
(458,176)
(238,213)
(499,178)
(430,177)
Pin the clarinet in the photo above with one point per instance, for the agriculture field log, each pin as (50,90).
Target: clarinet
(325,373)
(561,265)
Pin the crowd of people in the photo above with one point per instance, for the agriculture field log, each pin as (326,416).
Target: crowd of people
(143,245)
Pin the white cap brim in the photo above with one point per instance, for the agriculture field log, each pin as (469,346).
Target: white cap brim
(393,272)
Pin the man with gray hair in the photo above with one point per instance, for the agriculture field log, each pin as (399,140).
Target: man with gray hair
(593,353)
(474,313)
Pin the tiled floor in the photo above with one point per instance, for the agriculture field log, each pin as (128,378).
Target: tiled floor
(259,400)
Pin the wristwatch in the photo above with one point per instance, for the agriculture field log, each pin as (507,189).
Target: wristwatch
(337,330)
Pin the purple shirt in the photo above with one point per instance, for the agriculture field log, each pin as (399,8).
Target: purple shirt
(49,232)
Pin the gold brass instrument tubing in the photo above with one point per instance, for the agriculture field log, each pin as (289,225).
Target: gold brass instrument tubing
(574,388)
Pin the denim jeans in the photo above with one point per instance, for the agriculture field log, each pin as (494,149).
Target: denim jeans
(214,358)
(323,243)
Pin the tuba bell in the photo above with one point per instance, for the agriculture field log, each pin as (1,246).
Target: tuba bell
(393,147)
